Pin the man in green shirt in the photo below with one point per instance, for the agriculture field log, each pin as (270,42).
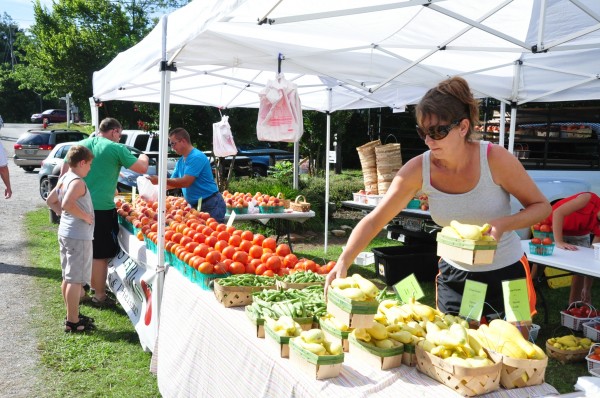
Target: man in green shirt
(109,157)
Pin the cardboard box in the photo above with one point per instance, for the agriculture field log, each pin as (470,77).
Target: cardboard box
(378,358)
(363,258)
(320,367)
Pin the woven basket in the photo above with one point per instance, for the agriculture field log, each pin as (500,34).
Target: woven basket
(370,180)
(566,356)
(465,381)
(517,373)
(285,202)
(389,161)
(366,154)
(298,205)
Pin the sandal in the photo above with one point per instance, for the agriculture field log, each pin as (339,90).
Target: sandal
(108,302)
(78,327)
(84,319)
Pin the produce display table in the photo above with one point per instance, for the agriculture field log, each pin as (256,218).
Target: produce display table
(580,261)
(293,216)
(207,350)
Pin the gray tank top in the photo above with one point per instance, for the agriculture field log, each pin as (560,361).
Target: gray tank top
(483,203)
(70,226)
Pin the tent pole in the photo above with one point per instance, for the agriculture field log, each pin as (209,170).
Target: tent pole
(165,82)
(296,163)
(327,146)
(513,124)
(502,129)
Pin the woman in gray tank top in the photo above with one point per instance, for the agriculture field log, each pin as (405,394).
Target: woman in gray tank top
(465,180)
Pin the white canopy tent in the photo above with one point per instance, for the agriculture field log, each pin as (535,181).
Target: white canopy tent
(350,54)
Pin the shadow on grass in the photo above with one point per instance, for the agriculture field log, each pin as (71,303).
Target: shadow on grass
(38,272)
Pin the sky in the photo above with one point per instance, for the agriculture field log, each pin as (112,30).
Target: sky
(21,11)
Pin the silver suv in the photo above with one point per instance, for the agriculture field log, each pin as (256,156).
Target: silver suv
(34,146)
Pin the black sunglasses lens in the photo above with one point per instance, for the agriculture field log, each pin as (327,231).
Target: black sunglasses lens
(435,133)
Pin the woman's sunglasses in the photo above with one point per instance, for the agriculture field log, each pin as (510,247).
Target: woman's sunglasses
(437,132)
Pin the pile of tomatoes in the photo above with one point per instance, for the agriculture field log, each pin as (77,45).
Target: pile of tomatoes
(215,248)
(583,311)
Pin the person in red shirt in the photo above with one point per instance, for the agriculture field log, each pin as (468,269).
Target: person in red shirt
(573,220)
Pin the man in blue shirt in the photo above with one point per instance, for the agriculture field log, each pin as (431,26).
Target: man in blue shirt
(194,176)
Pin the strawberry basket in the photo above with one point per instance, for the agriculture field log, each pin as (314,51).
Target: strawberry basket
(574,321)
(591,330)
(593,360)
(541,250)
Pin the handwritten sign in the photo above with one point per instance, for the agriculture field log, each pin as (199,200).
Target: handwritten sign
(408,288)
(471,306)
(516,300)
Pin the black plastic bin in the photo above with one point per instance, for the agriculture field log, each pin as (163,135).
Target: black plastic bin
(395,263)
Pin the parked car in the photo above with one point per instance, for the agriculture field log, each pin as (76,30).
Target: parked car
(263,156)
(35,145)
(53,163)
(53,116)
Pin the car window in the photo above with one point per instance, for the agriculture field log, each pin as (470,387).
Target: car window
(154,145)
(123,138)
(141,141)
(34,139)
(62,152)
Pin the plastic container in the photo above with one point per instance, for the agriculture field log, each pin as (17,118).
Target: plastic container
(542,235)
(395,263)
(596,247)
(541,250)
(593,364)
(414,204)
(590,331)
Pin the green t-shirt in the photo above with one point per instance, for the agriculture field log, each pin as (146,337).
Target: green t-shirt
(102,178)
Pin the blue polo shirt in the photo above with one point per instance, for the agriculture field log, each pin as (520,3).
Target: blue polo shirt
(196,165)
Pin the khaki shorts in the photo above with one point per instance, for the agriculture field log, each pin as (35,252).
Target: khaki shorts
(76,259)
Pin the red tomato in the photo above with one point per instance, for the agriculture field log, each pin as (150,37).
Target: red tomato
(536,241)
(536,227)
(545,228)
(237,268)
(547,241)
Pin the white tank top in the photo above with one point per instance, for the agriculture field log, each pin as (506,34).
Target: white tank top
(485,202)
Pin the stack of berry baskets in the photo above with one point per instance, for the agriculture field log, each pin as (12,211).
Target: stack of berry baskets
(573,320)
(591,330)
(593,360)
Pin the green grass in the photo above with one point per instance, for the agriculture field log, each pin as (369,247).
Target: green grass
(111,362)
(106,362)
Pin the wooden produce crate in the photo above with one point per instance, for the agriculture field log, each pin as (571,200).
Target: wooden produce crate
(236,296)
(379,358)
(317,366)
(334,333)
(279,344)
(465,381)
(355,314)
(466,251)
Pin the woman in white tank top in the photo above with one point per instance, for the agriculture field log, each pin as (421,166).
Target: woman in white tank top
(465,180)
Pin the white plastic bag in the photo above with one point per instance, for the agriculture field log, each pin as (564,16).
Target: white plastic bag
(280,112)
(223,144)
(147,190)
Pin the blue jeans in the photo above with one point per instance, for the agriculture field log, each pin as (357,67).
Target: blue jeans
(215,206)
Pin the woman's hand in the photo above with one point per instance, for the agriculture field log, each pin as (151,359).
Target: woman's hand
(338,271)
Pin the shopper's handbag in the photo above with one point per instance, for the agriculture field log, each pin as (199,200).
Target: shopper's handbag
(280,112)
(223,144)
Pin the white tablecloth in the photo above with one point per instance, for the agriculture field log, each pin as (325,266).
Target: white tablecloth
(207,350)
(580,261)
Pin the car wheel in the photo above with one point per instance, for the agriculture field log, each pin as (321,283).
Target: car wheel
(259,171)
(45,188)
(28,168)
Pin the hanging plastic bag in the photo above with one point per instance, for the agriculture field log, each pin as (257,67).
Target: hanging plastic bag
(147,190)
(280,112)
(223,144)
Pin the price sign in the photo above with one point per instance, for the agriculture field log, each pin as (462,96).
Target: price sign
(408,288)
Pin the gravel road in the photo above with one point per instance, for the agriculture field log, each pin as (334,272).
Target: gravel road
(18,358)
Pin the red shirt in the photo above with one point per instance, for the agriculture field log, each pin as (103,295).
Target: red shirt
(583,221)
